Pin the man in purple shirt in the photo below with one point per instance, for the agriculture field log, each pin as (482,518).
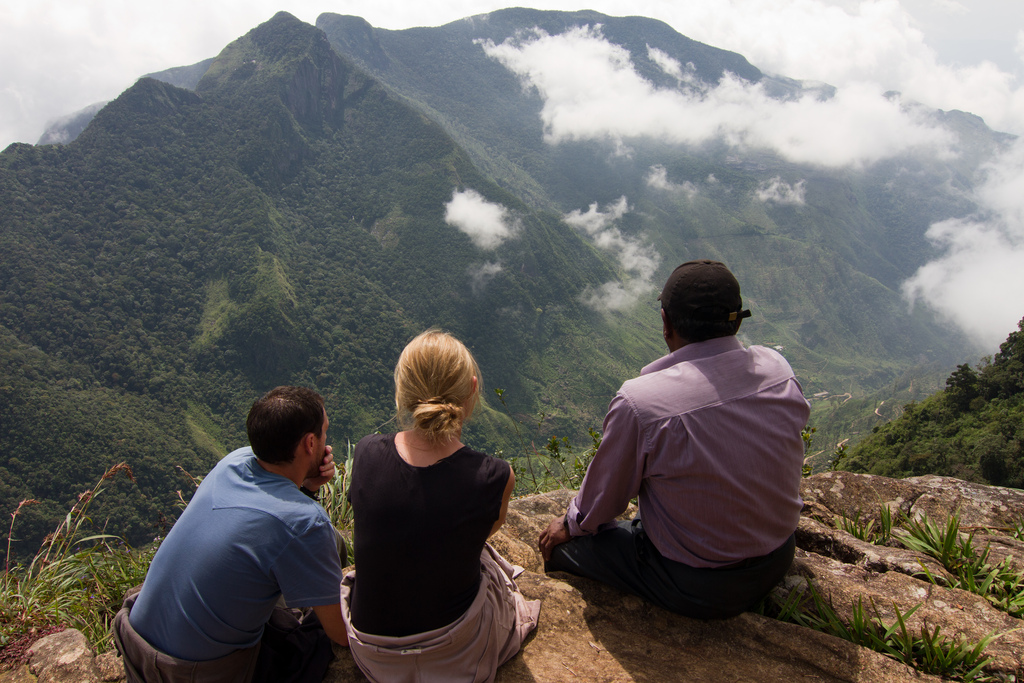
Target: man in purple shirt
(708,438)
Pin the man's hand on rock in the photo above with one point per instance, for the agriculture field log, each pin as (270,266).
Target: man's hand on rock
(556,534)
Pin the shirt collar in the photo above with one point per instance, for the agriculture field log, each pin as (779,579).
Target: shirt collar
(711,347)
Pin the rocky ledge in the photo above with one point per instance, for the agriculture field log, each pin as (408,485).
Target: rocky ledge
(589,632)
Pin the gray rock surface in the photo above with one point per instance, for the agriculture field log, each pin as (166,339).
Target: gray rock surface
(589,632)
(63,657)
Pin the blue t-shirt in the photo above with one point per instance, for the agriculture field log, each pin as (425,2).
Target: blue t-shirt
(247,537)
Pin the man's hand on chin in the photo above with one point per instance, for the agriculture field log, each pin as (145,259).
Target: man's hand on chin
(556,534)
(325,473)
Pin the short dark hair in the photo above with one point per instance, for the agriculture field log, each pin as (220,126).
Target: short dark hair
(694,331)
(280,418)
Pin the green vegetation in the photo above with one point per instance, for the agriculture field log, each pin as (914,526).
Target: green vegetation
(822,278)
(284,223)
(929,651)
(868,529)
(76,579)
(972,430)
(1001,584)
(557,464)
(285,226)
(334,497)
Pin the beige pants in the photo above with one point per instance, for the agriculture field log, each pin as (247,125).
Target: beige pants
(469,649)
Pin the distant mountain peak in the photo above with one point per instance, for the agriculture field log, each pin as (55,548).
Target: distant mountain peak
(67,128)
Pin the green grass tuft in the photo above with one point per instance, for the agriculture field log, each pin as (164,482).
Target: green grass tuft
(1001,584)
(928,651)
(76,579)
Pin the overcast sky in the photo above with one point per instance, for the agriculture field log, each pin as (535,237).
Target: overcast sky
(58,56)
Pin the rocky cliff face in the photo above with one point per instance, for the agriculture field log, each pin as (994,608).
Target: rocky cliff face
(589,632)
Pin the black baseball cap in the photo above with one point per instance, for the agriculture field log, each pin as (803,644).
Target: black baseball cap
(703,290)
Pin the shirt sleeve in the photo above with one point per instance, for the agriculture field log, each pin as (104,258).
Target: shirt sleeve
(614,476)
(309,570)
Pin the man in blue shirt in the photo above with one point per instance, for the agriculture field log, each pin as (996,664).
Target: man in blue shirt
(251,535)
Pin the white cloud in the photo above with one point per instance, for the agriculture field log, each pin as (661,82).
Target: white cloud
(657,178)
(61,55)
(667,63)
(633,256)
(881,42)
(57,129)
(685,75)
(594,220)
(615,296)
(487,224)
(979,282)
(481,275)
(779,191)
(591,91)
(870,41)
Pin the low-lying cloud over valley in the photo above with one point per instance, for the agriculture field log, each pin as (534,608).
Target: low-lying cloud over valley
(979,281)
(635,258)
(592,91)
(486,223)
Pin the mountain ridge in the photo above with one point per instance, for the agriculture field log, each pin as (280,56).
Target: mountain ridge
(288,222)
(284,223)
(879,232)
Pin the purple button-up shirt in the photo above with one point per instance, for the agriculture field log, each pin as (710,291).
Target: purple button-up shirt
(709,439)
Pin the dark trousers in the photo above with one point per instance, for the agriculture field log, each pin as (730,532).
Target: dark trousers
(293,649)
(625,558)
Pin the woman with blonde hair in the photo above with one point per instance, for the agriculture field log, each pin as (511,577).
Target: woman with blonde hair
(433,601)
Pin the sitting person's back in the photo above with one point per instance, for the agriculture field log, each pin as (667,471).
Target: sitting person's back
(250,537)
(707,438)
(419,534)
(431,600)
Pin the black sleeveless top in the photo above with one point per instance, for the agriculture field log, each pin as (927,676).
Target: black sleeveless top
(418,535)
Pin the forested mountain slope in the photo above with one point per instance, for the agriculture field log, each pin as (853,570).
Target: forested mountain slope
(284,223)
(321,196)
(445,71)
(822,263)
(974,429)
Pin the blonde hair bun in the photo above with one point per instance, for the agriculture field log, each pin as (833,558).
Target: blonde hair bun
(434,384)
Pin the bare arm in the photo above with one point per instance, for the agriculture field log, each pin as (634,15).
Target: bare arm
(505,497)
(333,623)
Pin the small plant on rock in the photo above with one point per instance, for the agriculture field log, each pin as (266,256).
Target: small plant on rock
(1000,584)
(557,464)
(870,530)
(928,651)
